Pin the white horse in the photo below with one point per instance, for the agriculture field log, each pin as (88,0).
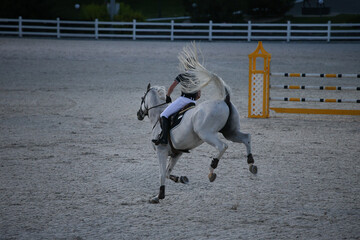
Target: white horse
(200,124)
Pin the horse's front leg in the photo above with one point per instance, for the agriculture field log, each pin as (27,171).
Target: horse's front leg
(172,161)
(171,164)
(162,156)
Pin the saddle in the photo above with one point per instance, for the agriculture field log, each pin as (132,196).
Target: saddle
(175,120)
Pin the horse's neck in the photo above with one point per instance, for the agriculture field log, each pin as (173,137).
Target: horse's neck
(154,113)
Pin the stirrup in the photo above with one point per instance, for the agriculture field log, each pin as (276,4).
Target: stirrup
(156,141)
(159,141)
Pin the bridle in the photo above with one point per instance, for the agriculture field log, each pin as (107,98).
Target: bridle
(141,114)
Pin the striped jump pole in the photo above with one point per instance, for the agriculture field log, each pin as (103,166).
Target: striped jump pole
(319,75)
(294,87)
(316,111)
(324,100)
(259,89)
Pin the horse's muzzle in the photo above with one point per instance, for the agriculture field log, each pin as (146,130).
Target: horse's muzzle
(140,115)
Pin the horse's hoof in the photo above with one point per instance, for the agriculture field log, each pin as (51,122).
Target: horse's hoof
(184,180)
(212,177)
(253,169)
(154,200)
(174,178)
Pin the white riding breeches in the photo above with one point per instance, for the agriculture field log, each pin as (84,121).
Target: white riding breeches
(175,106)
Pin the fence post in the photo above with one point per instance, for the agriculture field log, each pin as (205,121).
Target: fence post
(58,27)
(20,26)
(249,31)
(96,28)
(329,31)
(288,31)
(210,30)
(134,29)
(172,31)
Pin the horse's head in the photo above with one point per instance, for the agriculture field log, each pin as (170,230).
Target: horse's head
(143,111)
(147,104)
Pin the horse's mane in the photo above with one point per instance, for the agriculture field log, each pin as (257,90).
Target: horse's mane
(195,75)
(161,92)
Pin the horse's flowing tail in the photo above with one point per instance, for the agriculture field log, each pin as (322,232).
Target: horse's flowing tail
(196,76)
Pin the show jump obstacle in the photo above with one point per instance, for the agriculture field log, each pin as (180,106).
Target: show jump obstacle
(259,89)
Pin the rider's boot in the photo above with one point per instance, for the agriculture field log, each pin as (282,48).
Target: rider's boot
(163,137)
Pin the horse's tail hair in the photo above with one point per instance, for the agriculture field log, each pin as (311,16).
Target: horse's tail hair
(196,76)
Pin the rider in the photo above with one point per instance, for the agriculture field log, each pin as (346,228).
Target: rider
(174,107)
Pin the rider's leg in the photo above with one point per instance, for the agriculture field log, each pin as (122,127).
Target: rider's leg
(165,125)
(174,107)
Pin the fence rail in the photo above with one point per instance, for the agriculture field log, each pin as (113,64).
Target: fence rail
(179,31)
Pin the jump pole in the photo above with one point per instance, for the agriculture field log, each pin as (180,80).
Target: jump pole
(316,111)
(259,89)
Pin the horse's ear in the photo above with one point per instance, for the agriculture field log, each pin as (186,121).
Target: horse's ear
(148,87)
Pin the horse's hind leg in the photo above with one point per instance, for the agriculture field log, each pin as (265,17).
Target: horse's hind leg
(213,140)
(239,137)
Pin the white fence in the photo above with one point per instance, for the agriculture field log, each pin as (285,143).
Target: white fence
(180,31)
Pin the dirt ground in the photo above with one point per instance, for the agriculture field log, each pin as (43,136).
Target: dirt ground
(77,164)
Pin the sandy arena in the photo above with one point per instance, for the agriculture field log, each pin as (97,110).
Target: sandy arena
(77,164)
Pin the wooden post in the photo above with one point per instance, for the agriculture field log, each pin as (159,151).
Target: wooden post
(134,29)
(96,28)
(58,27)
(249,31)
(20,26)
(288,31)
(329,31)
(172,31)
(210,30)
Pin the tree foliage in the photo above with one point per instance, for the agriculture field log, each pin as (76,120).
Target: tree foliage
(234,11)
(65,9)
(27,9)
(127,14)
(94,11)
(266,8)
(215,10)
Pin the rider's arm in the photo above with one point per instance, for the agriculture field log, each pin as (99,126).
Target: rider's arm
(171,88)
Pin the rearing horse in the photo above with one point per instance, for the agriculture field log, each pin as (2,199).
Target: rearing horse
(200,124)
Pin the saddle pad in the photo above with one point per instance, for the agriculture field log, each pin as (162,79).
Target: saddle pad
(175,121)
(177,117)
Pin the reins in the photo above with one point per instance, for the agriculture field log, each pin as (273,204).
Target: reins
(147,109)
(157,121)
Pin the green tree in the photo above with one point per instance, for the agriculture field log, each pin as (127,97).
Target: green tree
(94,11)
(265,8)
(215,10)
(26,9)
(99,11)
(233,11)
(127,14)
